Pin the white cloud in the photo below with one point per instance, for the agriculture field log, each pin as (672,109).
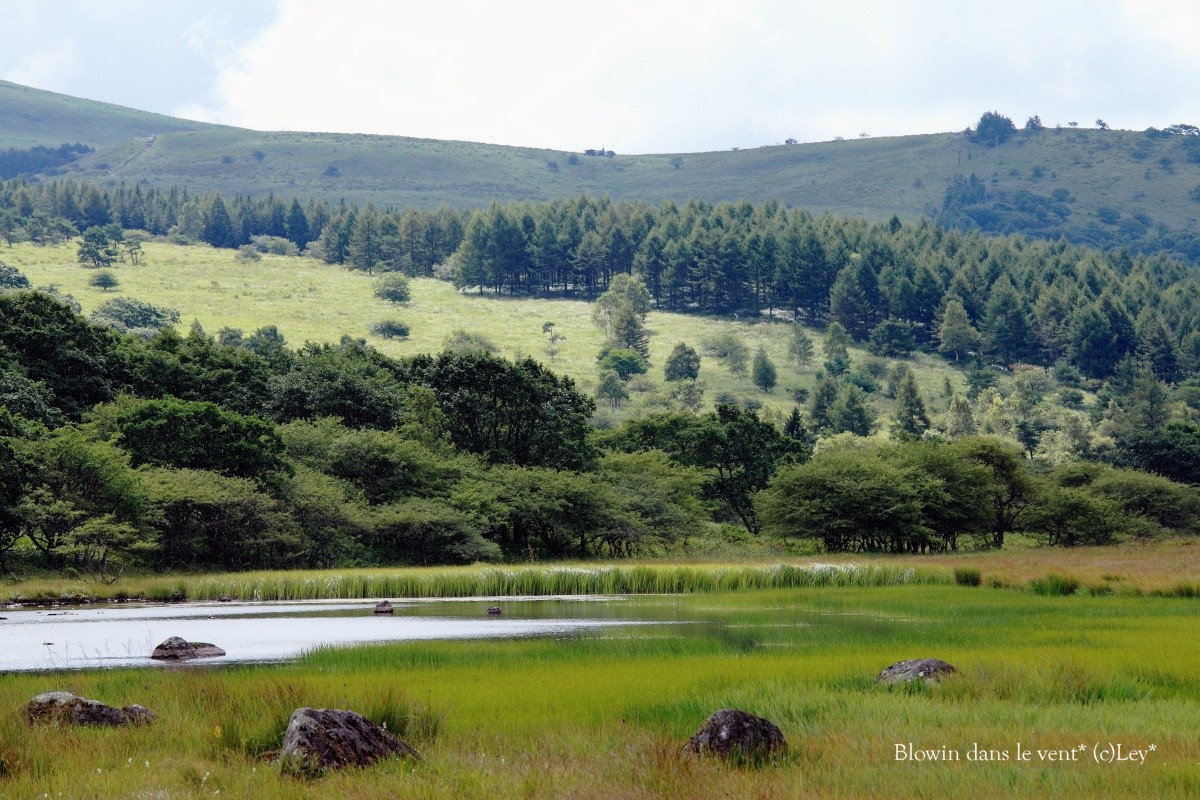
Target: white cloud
(52,67)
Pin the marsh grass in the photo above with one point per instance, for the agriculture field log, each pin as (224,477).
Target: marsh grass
(604,714)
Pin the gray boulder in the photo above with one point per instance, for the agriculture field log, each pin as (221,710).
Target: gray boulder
(930,670)
(177,649)
(738,736)
(384,607)
(67,709)
(320,739)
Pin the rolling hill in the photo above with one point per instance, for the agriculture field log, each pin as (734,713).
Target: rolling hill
(1102,187)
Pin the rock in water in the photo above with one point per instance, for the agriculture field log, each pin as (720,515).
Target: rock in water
(66,708)
(384,608)
(930,670)
(495,611)
(177,649)
(736,735)
(320,739)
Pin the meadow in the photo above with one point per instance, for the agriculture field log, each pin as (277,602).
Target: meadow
(605,714)
(312,301)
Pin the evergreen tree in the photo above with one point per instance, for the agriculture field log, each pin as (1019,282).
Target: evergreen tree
(848,304)
(218,226)
(956,334)
(800,346)
(909,417)
(961,420)
(1154,346)
(823,397)
(1007,326)
(627,331)
(849,413)
(837,353)
(763,371)
(297,226)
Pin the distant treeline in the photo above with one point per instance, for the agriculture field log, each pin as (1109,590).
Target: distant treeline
(14,162)
(1009,299)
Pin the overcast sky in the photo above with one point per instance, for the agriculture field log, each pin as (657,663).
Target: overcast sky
(635,76)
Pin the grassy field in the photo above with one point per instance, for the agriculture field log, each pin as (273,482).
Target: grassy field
(1168,568)
(604,715)
(874,178)
(312,301)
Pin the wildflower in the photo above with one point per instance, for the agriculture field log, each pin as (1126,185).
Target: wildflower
(217,731)
(146,765)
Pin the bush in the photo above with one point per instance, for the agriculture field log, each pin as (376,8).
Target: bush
(393,288)
(276,245)
(623,361)
(11,278)
(967,576)
(390,329)
(1055,585)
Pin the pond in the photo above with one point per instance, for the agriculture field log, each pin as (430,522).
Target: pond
(124,635)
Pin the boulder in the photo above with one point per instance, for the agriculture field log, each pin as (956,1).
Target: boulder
(320,739)
(738,736)
(495,611)
(66,708)
(177,649)
(384,607)
(931,670)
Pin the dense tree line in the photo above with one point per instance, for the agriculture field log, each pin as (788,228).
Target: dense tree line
(15,161)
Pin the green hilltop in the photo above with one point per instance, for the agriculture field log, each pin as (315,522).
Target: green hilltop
(1102,187)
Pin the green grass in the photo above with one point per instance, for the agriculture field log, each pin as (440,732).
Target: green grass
(873,178)
(312,301)
(604,715)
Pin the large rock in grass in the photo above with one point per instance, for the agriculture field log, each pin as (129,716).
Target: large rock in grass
(320,739)
(67,709)
(737,736)
(930,670)
(177,649)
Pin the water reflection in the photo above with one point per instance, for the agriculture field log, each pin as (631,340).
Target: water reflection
(118,636)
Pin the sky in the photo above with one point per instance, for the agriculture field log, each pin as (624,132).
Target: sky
(633,76)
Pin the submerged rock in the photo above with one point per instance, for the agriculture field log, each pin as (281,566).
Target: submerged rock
(177,649)
(66,708)
(733,734)
(930,670)
(320,739)
(384,607)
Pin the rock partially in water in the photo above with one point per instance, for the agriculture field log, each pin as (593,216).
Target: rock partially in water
(495,611)
(177,649)
(67,709)
(738,736)
(384,607)
(930,670)
(320,739)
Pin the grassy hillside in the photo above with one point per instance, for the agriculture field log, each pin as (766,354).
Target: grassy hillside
(312,301)
(31,116)
(1146,181)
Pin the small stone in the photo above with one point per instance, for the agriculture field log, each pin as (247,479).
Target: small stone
(320,739)
(733,734)
(931,670)
(384,607)
(65,708)
(495,611)
(177,649)
(224,599)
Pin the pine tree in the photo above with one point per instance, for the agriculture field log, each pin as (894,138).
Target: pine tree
(848,304)
(800,347)
(850,414)
(627,331)
(1154,346)
(823,397)
(909,417)
(1007,325)
(837,353)
(956,334)
(962,420)
(763,371)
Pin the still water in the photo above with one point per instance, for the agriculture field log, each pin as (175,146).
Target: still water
(124,635)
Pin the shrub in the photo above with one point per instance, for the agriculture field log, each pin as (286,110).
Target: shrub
(390,329)
(393,288)
(11,278)
(1055,585)
(967,576)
